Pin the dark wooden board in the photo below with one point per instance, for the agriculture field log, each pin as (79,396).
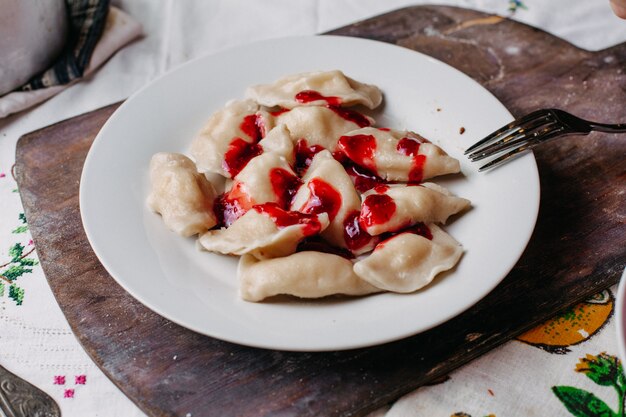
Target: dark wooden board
(578,247)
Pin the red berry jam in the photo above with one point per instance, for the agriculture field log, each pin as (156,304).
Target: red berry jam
(410,147)
(283,218)
(359,149)
(377,209)
(285,185)
(324,198)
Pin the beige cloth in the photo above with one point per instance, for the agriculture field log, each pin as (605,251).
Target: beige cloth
(119,30)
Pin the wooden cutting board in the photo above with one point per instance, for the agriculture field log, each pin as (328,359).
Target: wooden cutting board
(578,248)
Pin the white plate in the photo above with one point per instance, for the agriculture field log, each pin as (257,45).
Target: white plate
(198,290)
(620,313)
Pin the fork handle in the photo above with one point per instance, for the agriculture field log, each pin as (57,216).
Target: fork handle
(607,128)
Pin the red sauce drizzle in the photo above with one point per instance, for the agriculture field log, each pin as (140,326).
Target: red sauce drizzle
(362,178)
(334,104)
(308,96)
(377,209)
(230,206)
(324,198)
(304,155)
(283,218)
(381,188)
(317,244)
(351,116)
(410,147)
(417,229)
(420,229)
(359,149)
(253,126)
(238,155)
(240,152)
(285,185)
(279,112)
(384,129)
(353,233)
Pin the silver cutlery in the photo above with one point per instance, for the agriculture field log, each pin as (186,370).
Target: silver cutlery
(19,398)
(531,130)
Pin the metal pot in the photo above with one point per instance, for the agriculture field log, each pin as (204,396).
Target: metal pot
(32,34)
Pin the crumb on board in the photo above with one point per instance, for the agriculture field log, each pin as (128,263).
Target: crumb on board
(461,130)
(438,108)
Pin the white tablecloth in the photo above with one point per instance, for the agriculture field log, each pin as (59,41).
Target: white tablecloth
(35,339)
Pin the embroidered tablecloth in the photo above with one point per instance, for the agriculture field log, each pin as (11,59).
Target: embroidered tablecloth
(566,366)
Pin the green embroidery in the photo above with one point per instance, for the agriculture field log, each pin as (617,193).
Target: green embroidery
(18,265)
(16,294)
(23,227)
(514,5)
(604,370)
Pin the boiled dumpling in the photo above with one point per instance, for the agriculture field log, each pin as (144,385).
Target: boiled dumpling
(230,138)
(327,188)
(396,155)
(320,125)
(267,178)
(266,231)
(182,196)
(391,208)
(316,88)
(303,274)
(279,141)
(410,260)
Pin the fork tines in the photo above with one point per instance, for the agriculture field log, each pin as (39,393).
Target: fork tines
(516,137)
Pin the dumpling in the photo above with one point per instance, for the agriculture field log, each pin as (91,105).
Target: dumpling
(230,138)
(320,125)
(303,274)
(410,260)
(391,208)
(267,178)
(278,140)
(182,196)
(327,188)
(316,88)
(396,155)
(266,231)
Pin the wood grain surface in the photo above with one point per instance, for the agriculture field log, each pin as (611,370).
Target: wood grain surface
(578,247)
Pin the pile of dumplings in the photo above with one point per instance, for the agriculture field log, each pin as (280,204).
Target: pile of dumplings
(314,199)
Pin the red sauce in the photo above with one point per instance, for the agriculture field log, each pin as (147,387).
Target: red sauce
(353,233)
(362,178)
(351,116)
(232,205)
(417,229)
(324,198)
(317,244)
(384,129)
(305,154)
(308,96)
(359,149)
(279,112)
(253,126)
(283,218)
(334,104)
(420,229)
(381,188)
(285,185)
(410,147)
(377,209)
(238,155)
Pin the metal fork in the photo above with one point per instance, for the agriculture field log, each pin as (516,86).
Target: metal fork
(531,130)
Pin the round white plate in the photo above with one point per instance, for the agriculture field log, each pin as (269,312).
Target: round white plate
(198,290)
(620,313)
